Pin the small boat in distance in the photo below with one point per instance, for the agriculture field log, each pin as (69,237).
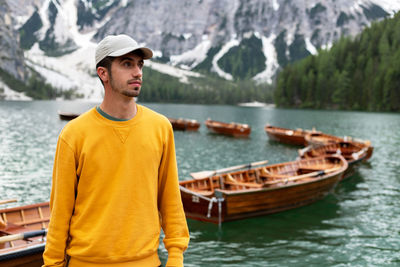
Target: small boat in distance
(254,104)
(320,138)
(352,153)
(67,116)
(184,124)
(287,136)
(232,129)
(258,191)
(312,137)
(22,234)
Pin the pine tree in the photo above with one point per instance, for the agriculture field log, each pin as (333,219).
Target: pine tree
(356,73)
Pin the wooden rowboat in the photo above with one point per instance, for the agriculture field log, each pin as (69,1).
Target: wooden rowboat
(350,151)
(312,137)
(319,138)
(258,191)
(232,129)
(22,235)
(287,136)
(184,124)
(67,116)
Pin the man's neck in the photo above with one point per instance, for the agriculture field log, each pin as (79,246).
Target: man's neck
(125,110)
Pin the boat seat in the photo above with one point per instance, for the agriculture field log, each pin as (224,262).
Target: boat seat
(273,176)
(205,193)
(304,170)
(252,185)
(39,220)
(3,224)
(333,151)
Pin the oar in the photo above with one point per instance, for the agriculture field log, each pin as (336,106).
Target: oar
(304,150)
(24,235)
(5,201)
(302,176)
(204,174)
(356,155)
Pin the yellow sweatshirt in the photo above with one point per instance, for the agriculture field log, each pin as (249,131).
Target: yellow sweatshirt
(115,183)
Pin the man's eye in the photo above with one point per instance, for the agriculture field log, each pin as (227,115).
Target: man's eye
(127,64)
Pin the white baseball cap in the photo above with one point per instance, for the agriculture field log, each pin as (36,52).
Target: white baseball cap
(118,45)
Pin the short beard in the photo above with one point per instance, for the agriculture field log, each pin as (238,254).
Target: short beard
(128,93)
(134,93)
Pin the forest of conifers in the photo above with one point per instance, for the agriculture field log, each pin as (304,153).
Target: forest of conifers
(159,87)
(361,73)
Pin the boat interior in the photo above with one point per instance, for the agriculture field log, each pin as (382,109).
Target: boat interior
(257,178)
(20,220)
(345,149)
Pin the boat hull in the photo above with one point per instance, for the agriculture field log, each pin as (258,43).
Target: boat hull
(67,116)
(229,129)
(250,203)
(260,191)
(184,125)
(287,136)
(29,256)
(297,140)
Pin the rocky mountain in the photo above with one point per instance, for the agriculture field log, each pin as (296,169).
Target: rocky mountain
(11,56)
(222,34)
(12,64)
(235,39)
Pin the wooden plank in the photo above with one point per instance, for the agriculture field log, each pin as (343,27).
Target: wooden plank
(6,201)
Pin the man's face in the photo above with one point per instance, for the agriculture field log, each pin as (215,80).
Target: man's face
(126,74)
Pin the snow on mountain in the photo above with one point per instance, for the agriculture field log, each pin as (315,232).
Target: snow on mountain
(212,24)
(72,71)
(209,34)
(271,60)
(6,93)
(194,56)
(390,6)
(300,27)
(219,55)
(181,74)
(76,70)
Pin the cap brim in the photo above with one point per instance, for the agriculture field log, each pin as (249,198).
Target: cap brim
(147,53)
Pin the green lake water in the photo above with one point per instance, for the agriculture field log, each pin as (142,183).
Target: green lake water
(358,224)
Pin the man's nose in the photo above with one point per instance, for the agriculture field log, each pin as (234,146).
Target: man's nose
(137,72)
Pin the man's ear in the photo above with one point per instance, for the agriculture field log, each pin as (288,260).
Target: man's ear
(102,72)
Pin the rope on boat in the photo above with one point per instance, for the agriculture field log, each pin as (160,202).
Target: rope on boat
(356,155)
(220,211)
(210,204)
(304,150)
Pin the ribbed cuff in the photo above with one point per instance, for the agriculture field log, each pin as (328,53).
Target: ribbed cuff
(175,257)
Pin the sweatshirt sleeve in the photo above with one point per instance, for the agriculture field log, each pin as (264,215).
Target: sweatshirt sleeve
(62,200)
(173,218)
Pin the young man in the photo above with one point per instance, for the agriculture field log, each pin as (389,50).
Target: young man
(115,181)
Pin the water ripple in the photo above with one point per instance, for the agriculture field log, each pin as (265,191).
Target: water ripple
(356,225)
